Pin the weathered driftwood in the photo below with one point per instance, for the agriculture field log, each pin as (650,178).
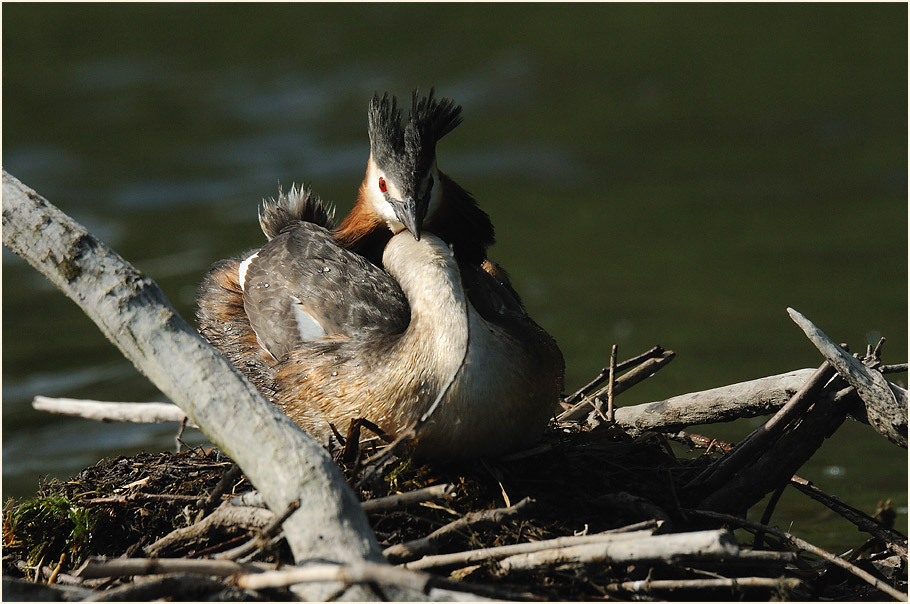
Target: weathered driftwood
(762,437)
(892,539)
(714,544)
(400,500)
(225,516)
(886,404)
(806,547)
(783,584)
(136,413)
(504,551)
(282,461)
(409,550)
(94,568)
(726,403)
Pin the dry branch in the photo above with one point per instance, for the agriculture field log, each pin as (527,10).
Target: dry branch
(759,440)
(137,413)
(778,461)
(892,539)
(715,544)
(806,547)
(224,516)
(400,500)
(378,574)
(409,550)
(886,404)
(94,568)
(495,553)
(783,584)
(724,404)
(640,373)
(605,374)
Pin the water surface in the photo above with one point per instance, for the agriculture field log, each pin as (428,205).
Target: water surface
(672,174)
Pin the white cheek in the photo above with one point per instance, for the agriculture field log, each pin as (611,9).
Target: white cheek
(384,211)
(377,199)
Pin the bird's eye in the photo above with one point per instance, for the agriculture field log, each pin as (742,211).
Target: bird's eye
(382,186)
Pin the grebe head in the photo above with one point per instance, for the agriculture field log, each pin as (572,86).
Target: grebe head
(402,183)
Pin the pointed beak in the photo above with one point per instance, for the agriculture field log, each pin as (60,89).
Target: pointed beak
(411,213)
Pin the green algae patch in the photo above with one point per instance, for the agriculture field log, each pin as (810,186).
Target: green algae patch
(45,528)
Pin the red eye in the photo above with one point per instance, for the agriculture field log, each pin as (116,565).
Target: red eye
(382,186)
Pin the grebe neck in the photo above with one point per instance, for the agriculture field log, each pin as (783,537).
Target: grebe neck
(436,340)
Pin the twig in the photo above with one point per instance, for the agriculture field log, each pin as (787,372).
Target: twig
(597,417)
(605,372)
(892,539)
(896,368)
(622,383)
(786,584)
(226,515)
(493,553)
(140,497)
(409,550)
(766,515)
(170,587)
(758,441)
(807,547)
(262,539)
(94,568)
(611,410)
(226,480)
(400,500)
(56,570)
(178,440)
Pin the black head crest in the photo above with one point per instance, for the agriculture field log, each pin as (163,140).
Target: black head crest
(406,151)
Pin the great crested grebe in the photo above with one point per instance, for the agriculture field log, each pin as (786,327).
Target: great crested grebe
(394,309)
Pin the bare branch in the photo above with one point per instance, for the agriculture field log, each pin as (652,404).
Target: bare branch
(886,404)
(806,547)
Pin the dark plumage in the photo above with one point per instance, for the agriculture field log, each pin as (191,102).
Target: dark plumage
(395,308)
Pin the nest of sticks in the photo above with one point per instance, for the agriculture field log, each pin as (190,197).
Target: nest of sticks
(595,511)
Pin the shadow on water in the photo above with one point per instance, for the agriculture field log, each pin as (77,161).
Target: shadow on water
(673,174)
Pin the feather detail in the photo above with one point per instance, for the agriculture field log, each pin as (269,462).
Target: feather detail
(300,204)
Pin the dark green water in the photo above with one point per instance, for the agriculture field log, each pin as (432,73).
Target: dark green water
(672,174)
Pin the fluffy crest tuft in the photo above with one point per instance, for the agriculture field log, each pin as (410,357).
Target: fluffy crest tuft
(300,204)
(407,150)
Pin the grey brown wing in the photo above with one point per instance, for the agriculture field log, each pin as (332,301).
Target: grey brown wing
(302,287)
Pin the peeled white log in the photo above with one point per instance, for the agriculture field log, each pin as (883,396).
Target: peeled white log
(283,462)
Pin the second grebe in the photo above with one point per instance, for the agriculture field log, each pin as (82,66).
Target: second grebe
(331,337)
